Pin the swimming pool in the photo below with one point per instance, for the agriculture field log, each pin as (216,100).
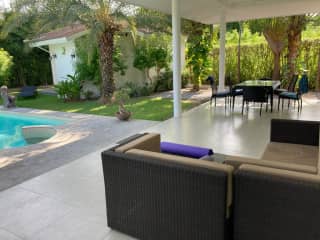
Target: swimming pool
(11,128)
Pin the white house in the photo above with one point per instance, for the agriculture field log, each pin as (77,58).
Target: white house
(62,49)
(60,45)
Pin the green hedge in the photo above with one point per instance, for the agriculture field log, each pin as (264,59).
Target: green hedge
(257,61)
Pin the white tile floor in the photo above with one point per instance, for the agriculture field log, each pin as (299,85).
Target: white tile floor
(68,203)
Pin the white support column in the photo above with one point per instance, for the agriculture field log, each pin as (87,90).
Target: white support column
(176,43)
(222,52)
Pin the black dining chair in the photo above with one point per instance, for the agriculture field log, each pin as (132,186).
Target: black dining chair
(295,94)
(234,93)
(291,86)
(215,94)
(265,79)
(256,95)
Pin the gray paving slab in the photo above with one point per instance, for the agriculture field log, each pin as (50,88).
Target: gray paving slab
(82,134)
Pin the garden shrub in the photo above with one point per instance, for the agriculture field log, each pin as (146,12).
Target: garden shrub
(152,51)
(165,82)
(121,96)
(139,91)
(69,90)
(5,66)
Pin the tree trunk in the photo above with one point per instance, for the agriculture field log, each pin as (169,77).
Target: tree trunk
(296,26)
(276,66)
(147,75)
(21,76)
(293,48)
(276,48)
(318,74)
(106,47)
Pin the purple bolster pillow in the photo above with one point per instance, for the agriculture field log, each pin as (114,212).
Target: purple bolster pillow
(184,150)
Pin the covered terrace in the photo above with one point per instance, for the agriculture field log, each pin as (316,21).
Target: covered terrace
(219,12)
(69,202)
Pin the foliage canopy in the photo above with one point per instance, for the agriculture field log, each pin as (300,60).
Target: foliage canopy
(5,66)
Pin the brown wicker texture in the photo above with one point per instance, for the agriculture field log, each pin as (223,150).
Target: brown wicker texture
(295,131)
(152,199)
(275,208)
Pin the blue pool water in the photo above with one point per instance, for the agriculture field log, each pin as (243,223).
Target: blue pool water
(11,124)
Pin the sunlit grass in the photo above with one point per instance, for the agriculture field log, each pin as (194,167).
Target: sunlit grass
(157,109)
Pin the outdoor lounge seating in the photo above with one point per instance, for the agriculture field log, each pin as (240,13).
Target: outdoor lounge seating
(278,198)
(28,91)
(275,204)
(294,145)
(152,195)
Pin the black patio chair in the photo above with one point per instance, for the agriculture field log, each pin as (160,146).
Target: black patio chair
(234,93)
(28,91)
(295,95)
(265,79)
(215,94)
(256,95)
(291,86)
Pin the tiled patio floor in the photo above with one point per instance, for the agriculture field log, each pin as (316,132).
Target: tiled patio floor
(231,132)
(68,202)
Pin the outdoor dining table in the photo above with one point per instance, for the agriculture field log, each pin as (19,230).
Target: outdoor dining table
(270,85)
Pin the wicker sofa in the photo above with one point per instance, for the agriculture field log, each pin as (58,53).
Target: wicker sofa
(294,145)
(151,195)
(282,201)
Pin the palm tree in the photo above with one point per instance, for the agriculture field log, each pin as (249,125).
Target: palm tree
(101,17)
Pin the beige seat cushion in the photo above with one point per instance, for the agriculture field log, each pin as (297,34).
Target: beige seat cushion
(292,153)
(281,173)
(192,162)
(148,142)
(238,161)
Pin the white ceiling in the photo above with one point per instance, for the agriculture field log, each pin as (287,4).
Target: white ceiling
(209,11)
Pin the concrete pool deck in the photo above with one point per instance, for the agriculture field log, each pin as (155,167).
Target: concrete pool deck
(82,134)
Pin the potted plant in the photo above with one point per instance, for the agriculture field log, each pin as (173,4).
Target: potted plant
(120,97)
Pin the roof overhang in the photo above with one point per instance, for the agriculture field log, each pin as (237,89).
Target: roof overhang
(47,42)
(55,41)
(209,11)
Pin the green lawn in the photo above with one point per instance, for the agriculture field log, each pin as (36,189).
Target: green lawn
(147,108)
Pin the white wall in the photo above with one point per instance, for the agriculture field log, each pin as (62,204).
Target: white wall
(63,64)
(133,74)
